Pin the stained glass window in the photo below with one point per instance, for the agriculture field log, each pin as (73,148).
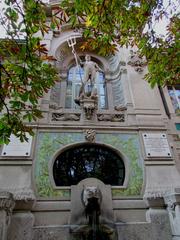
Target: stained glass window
(88,160)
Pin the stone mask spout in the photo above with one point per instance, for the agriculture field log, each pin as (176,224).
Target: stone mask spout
(91,200)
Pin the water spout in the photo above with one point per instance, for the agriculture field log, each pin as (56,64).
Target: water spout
(91,199)
(92,217)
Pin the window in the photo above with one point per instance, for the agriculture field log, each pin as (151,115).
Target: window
(174,93)
(88,160)
(75,76)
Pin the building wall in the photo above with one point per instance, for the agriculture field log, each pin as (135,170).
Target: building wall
(149,197)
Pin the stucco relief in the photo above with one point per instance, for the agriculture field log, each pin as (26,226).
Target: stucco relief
(89,106)
(111,117)
(65,117)
(137,61)
(90,135)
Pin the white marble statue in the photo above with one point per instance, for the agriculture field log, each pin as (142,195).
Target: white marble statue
(88,87)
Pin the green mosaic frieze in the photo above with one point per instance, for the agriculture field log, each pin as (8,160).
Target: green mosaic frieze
(48,143)
(128,145)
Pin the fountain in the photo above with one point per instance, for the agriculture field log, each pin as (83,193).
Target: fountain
(91,211)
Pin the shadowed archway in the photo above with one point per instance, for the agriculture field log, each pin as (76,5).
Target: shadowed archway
(88,160)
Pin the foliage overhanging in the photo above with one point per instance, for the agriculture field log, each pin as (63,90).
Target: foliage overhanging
(27,72)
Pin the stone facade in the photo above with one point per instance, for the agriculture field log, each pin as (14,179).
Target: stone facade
(146,206)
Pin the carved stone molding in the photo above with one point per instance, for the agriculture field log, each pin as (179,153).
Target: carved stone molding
(162,196)
(111,117)
(90,135)
(156,192)
(21,194)
(65,117)
(137,61)
(7,202)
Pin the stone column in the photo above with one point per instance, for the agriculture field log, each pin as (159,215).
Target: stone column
(172,202)
(7,204)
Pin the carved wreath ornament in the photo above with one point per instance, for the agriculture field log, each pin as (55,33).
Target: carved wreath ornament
(90,135)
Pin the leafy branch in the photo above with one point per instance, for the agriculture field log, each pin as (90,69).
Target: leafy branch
(26,69)
(112,23)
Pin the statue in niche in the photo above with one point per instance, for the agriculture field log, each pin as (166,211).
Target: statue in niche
(88,87)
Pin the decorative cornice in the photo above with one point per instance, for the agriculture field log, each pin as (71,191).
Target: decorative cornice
(161,196)
(21,194)
(157,192)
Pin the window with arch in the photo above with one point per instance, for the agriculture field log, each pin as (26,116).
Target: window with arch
(74,79)
(88,160)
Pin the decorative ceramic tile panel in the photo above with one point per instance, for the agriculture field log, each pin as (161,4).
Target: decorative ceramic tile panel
(50,142)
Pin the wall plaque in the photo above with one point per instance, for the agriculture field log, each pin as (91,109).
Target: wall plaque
(16,148)
(156,145)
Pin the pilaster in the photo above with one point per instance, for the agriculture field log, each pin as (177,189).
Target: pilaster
(172,202)
(7,204)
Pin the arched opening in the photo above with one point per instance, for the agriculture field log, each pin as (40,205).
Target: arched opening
(88,160)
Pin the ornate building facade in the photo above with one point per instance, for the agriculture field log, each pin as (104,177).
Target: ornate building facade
(120,146)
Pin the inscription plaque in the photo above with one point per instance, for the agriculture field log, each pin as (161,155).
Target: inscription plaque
(16,148)
(156,145)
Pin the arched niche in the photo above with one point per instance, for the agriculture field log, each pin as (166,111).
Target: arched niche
(85,160)
(111,65)
(63,53)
